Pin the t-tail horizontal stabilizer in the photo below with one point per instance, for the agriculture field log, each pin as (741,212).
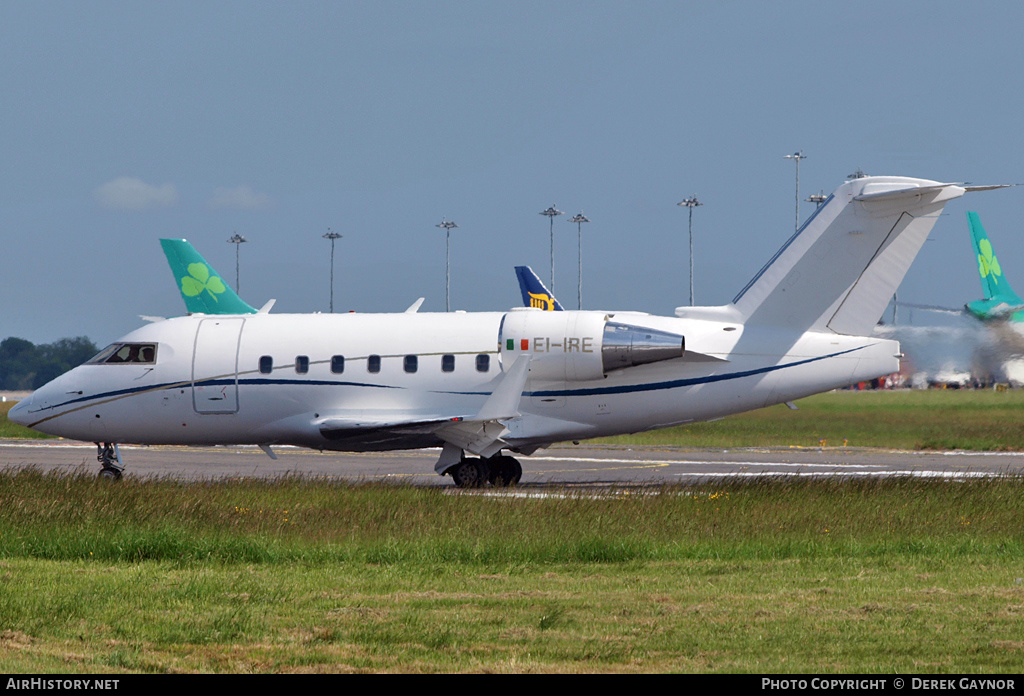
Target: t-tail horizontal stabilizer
(201,287)
(842,267)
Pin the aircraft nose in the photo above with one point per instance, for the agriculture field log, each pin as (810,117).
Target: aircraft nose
(19,412)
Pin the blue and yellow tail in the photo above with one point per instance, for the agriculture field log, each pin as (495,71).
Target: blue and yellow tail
(201,287)
(1000,301)
(534,292)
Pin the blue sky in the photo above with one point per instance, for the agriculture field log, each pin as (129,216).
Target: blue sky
(124,122)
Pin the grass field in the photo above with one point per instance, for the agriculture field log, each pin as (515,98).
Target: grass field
(869,576)
(944,419)
(766,576)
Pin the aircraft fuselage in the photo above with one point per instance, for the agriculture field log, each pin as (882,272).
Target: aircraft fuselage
(277,379)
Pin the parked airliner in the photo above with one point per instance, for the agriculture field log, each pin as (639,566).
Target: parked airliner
(483,386)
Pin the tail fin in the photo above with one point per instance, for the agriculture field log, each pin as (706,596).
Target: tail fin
(841,268)
(201,287)
(1000,299)
(534,292)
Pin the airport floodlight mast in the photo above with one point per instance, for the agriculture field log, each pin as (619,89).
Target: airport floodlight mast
(447,226)
(551,213)
(237,240)
(579,220)
(691,203)
(797,156)
(817,199)
(331,235)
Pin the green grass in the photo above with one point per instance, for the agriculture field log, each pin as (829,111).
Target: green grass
(768,576)
(304,575)
(906,419)
(13,430)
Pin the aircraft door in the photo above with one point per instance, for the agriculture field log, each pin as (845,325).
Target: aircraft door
(215,365)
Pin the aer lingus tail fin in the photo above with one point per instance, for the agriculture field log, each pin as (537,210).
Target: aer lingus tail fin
(201,287)
(1000,299)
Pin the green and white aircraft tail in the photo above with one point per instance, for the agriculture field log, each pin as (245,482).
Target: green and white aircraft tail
(1000,301)
(201,286)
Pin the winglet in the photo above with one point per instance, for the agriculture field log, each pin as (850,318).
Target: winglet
(201,287)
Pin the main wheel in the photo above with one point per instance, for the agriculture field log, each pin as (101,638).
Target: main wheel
(505,470)
(470,473)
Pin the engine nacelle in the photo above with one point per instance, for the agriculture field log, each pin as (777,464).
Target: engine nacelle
(581,346)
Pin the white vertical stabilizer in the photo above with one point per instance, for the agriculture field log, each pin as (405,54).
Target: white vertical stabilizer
(838,272)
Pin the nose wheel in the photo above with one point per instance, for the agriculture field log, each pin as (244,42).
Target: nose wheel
(109,457)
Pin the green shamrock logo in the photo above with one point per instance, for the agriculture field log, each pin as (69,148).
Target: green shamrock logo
(200,279)
(987,262)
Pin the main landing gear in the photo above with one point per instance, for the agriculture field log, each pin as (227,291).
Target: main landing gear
(500,471)
(109,457)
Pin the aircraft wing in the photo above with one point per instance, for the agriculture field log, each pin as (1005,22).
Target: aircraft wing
(931,308)
(479,434)
(380,434)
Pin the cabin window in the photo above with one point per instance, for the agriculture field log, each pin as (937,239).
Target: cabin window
(483,362)
(302,364)
(410,363)
(373,363)
(126,353)
(337,364)
(447,363)
(266,365)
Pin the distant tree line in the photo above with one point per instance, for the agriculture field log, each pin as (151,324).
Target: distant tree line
(25,366)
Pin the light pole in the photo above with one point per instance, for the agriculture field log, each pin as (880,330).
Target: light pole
(332,236)
(579,220)
(691,203)
(447,226)
(817,199)
(551,213)
(797,156)
(237,240)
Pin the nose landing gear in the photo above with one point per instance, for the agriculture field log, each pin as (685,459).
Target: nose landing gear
(109,457)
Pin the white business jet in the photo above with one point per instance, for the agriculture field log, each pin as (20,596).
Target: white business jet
(484,385)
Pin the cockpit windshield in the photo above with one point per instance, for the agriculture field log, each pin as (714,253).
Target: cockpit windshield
(126,353)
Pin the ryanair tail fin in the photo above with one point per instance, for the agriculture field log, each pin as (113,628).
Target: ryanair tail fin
(1000,299)
(841,268)
(201,287)
(534,292)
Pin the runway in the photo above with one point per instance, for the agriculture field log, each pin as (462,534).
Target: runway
(567,465)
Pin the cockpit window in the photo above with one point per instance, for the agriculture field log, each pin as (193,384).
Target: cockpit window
(126,353)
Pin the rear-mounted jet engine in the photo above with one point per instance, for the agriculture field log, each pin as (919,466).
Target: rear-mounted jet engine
(580,346)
